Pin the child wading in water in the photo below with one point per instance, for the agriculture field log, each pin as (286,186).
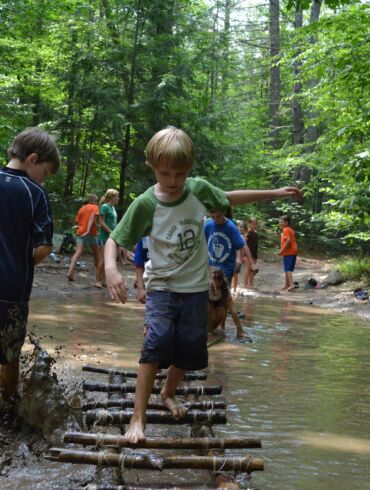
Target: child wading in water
(289,251)
(251,237)
(26,231)
(171,213)
(87,232)
(220,302)
(107,223)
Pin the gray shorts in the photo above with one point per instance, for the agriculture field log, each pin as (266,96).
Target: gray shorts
(177,330)
(13,323)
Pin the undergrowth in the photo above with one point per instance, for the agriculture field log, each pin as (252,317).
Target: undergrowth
(355,268)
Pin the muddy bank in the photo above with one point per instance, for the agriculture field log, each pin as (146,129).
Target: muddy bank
(50,278)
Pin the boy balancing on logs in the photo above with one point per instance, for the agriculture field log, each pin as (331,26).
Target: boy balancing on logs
(171,213)
(26,231)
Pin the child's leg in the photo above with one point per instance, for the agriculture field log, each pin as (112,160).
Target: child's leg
(144,386)
(235,281)
(96,255)
(239,330)
(13,324)
(290,282)
(220,319)
(76,256)
(174,377)
(289,263)
(99,276)
(286,283)
(9,374)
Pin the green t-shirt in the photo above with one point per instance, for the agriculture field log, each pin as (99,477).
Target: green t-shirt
(177,247)
(109,212)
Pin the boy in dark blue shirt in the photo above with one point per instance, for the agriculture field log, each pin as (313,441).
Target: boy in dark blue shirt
(26,231)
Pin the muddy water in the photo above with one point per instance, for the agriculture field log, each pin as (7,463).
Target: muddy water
(302,386)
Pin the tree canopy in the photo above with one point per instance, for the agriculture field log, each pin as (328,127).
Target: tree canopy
(104,75)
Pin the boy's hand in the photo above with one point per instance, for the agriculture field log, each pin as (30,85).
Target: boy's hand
(292,192)
(116,285)
(141,295)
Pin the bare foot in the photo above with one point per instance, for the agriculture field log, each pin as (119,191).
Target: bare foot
(177,409)
(69,277)
(98,285)
(135,432)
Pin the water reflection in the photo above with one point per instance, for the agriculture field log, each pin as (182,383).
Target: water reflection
(302,386)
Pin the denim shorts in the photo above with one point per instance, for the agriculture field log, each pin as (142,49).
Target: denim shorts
(289,262)
(87,240)
(13,323)
(177,330)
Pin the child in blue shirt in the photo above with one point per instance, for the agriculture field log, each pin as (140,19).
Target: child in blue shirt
(26,231)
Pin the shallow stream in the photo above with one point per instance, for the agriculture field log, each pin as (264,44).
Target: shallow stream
(302,386)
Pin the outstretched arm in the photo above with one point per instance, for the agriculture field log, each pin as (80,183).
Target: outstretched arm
(116,283)
(245,196)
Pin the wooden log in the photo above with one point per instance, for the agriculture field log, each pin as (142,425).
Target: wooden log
(130,388)
(86,438)
(246,464)
(118,417)
(128,487)
(105,474)
(189,376)
(154,405)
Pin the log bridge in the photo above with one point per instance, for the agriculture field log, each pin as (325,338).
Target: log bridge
(112,451)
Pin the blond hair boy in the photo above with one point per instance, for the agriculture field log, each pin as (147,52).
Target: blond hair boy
(171,214)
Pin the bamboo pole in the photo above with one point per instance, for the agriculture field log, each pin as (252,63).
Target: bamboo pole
(246,464)
(114,417)
(154,405)
(127,487)
(130,388)
(189,376)
(88,439)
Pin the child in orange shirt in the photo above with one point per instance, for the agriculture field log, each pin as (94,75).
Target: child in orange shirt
(86,232)
(289,251)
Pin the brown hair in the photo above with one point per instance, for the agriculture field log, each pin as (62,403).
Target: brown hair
(218,275)
(286,218)
(91,199)
(35,140)
(170,147)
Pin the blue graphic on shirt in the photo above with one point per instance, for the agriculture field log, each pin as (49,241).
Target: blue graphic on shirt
(223,241)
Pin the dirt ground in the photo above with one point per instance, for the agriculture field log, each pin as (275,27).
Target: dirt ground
(51,277)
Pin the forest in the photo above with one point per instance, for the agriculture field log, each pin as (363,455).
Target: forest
(272,92)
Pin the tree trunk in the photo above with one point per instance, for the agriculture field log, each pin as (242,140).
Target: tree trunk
(70,129)
(130,101)
(225,48)
(297,119)
(274,73)
(312,130)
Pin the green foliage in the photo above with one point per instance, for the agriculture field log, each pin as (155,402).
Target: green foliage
(355,269)
(94,72)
